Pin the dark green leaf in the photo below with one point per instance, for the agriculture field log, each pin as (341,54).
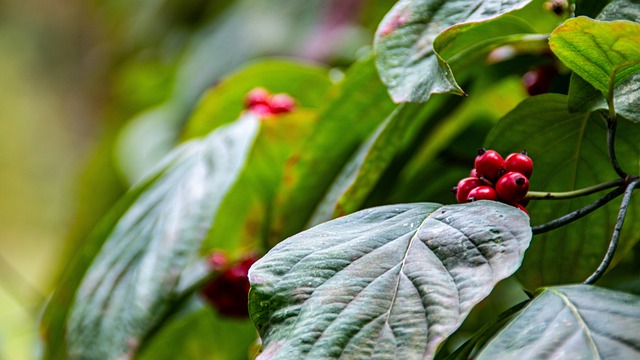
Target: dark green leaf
(569,152)
(602,53)
(406,59)
(391,282)
(350,115)
(571,322)
(131,282)
(361,173)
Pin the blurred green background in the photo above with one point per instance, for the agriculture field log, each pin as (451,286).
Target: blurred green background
(93,93)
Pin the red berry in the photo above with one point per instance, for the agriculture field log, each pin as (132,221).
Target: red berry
(512,187)
(473,173)
(261,110)
(524,202)
(538,81)
(482,193)
(519,162)
(229,292)
(281,103)
(217,261)
(257,96)
(489,164)
(465,186)
(522,208)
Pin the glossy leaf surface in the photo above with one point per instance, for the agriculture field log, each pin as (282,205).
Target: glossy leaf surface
(390,282)
(131,282)
(577,322)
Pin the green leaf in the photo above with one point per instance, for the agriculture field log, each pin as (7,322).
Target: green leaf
(390,282)
(569,152)
(131,282)
(626,99)
(244,218)
(406,59)
(201,334)
(577,322)
(584,97)
(222,104)
(362,172)
(602,53)
(349,115)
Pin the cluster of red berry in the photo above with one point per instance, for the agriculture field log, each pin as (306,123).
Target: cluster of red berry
(262,103)
(498,179)
(228,293)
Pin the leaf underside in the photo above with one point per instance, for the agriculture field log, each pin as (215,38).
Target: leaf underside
(390,282)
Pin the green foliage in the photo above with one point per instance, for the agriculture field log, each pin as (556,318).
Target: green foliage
(345,270)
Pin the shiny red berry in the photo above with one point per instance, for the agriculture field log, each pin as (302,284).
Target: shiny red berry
(519,162)
(257,96)
(473,173)
(465,186)
(522,208)
(538,81)
(282,103)
(512,187)
(482,193)
(228,293)
(489,164)
(261,110)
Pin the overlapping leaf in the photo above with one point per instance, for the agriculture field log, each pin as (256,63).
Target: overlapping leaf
(404,44)
(626,96)
(569,152)
(602,53)
(578,322)
(390,282)
(131,283)
(348,117)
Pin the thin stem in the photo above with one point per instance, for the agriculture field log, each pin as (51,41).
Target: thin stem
(573,216)
(542,195)
(611,136)
(613,245)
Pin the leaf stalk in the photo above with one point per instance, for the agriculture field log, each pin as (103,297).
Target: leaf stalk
(544,195)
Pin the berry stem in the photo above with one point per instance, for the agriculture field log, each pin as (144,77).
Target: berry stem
(543,195)
(613,244)
(573,216)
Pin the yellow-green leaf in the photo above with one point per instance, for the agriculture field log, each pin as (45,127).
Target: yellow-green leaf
(604,53)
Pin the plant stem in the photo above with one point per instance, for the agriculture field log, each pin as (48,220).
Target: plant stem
(613,244)
(542,195)
(611,136)
(573,216)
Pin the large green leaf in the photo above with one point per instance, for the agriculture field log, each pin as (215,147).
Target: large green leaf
(626,96)
(604,53)
(390,282)
(571,322)
(406,59)
(569,152)
(131,282)
(225,101)
(348,117)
